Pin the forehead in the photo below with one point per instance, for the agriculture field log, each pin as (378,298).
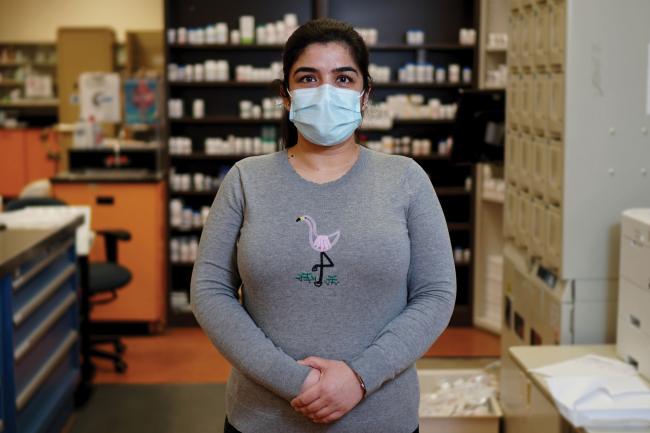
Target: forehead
(325,56)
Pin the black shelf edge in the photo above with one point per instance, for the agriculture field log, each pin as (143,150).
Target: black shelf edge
(227,47)
(223,120)
(211,193)
(234,84)
(430,47)
(205,156)
(399,84)
(267,84)
(184,232)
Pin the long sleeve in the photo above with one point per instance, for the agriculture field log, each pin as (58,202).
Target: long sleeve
(214,300)
(431,290)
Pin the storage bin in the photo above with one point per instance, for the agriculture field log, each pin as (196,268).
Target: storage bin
(555,172)
(431,380)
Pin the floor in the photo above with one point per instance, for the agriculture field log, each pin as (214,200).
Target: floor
(186,355)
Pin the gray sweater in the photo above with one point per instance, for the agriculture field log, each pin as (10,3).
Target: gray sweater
(359,269)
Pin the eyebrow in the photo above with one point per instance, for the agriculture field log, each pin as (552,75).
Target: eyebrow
(312,70)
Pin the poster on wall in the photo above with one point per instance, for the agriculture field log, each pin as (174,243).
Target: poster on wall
(99,97)
(141,101)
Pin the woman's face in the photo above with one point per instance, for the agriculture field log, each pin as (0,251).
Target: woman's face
(329,63)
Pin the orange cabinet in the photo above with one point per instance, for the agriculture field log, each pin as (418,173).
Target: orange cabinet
(38,150)
(13,169)
(138,208)
(24,158)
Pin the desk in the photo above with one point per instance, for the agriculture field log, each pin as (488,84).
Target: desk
(530,357)
(39,327)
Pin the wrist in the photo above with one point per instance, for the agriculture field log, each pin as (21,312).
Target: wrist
(362,384)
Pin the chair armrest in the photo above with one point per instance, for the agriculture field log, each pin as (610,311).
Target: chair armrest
(120,235)
(111,237)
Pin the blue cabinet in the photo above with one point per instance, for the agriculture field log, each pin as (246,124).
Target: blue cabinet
(39,333)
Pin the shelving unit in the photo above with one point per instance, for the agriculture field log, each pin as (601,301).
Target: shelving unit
(576,157)
(441,22)
(17,60)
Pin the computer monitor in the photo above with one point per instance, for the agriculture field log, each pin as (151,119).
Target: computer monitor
(479,131)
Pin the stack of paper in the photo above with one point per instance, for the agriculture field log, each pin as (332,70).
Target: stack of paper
(46,217)
(594,391)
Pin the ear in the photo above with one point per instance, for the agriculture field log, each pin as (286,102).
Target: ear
(365,99)
(286,99)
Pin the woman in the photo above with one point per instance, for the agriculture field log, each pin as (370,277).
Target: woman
(342,255)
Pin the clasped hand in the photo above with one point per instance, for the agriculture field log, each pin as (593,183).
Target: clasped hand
(330,390)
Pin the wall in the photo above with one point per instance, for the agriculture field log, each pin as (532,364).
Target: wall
(38,20)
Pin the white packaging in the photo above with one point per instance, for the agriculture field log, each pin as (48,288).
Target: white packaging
(221,33)
(467,75)
(198,181)
(181,35)
(245,108)
(256,112)
(454,73)
(198,109)
(235,37)
(247,29)
(441,75)
(171,36)
(260,35)
(188,73)
(199,72)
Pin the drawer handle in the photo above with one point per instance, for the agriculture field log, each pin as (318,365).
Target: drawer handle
(52,256)
(44,372)
(105,200)
(44,295)
(45,326)
(635,321)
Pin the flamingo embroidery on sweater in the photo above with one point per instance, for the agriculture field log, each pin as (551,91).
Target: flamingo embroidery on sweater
(322,244)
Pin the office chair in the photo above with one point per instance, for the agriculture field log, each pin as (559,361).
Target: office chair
(103,281)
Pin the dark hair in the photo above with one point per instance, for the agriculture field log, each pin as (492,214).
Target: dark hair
(320,31)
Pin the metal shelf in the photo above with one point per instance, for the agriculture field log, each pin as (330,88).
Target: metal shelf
(223,120)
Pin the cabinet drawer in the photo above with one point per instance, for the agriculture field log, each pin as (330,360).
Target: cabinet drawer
(525,161)
(32,268)
(635,261)
(541,90)
(538,228)
(515,23)
(553,246)
(540,13)
(41,403)
(540,153)
(557,32)
(511,157)
(555,172)
(527,102)
(556,105)
(33,358)
(527,35)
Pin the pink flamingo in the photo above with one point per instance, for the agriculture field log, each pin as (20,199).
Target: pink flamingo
(320,243)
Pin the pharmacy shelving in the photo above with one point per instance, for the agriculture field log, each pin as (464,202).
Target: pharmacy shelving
(17,60)
(221,118)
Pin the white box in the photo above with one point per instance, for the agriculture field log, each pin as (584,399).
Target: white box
(634,305)
(634,347)
(635,247)
(431,380)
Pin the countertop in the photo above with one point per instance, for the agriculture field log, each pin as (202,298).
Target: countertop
(109,176)
(529,357)
(19,245)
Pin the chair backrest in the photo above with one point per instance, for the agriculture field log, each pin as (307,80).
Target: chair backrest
(21,203)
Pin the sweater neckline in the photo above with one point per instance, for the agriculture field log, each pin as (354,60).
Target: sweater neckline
(345,178)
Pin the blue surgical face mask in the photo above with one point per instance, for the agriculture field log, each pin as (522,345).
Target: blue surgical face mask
(325,115)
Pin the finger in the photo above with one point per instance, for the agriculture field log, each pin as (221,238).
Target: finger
(314,407)
(330,418)
(322,413)
(315,362)
(307,397)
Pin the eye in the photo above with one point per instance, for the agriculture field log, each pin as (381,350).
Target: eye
(307,79)
(344,79)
